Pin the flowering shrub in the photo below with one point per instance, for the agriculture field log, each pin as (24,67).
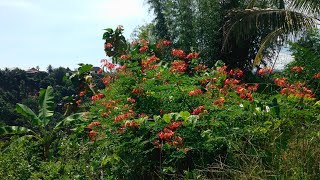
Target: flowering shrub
(164,119)
(164,115)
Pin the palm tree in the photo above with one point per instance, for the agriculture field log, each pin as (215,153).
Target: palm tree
(284,19)
(40,130)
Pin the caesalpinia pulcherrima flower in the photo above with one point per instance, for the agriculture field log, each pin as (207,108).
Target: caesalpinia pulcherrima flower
(297,69)
(263,72)
(193,55)
(195,92)
(178,66)
(167,135)
(149,63)
(198,110)
(178,53)
(108,45)
(219,101)
(97,97)
(317,75)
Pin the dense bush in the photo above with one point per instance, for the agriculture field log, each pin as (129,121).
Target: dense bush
(175,118)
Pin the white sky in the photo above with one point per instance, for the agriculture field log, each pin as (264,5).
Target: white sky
(62,32)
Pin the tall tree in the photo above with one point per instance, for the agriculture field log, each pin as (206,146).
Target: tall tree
(239,32)
(161,29)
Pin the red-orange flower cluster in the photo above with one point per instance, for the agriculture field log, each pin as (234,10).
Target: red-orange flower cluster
(82,93)
(244,93)
(281,82)
(122,117)
(297,69)
(125,56)
(200,67)
(162,43)
(108,45)
(93,124)
(93,134)
(106,80)
(143,49)
(178,66)
(137,91)
(97,97)
(167,135)
(192,55)
(108,64)
(195,92)
(236,73)
(144,45)
(263,72)
(178,53)
(297,89)
(219,102)
(198,110)
(149,63)
(317,75)
(131,100)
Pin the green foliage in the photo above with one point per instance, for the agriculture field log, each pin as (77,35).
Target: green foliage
(306,55)
(174,119)
(39,123)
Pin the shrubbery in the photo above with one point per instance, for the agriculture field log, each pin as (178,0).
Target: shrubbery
(175,118)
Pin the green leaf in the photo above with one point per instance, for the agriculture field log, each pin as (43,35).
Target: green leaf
(193,119)
(28,113)
(85,68)
(185,115)
(276,107)
(6,130)
(46,104)
(69,119)
(167,118)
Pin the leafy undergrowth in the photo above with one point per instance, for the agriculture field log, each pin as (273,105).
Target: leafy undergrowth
(177,119)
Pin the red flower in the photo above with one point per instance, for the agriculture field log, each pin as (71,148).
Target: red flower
(262,72)
(144,42)
(166,134)
(165,42)
(297,69)
(131,100)
(197,110)
(192,55)
(240,89)
(82,93)
(317,75)
(104,114)
(178,53)
(143,49)
(195,92)
(92,133)
(78,102)
(280,82)
(174,125)
(108,45)
(135,91)
(100,95)
(127,56)
(178,66)
(219,102)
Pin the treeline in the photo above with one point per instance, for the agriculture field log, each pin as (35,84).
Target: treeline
(19,86)
(242,33)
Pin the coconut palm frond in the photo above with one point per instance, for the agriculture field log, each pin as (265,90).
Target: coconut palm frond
(243,23)
(308,6)
(269,39)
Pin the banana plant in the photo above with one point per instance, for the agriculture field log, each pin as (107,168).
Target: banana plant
(39,124)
